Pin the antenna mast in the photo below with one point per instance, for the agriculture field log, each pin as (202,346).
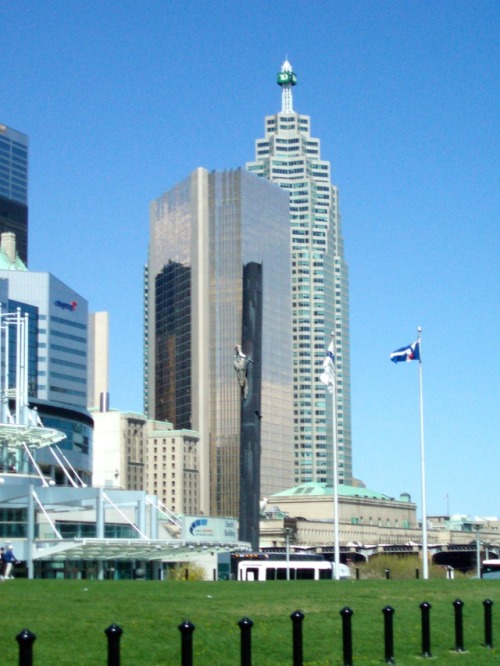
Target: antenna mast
(286,79)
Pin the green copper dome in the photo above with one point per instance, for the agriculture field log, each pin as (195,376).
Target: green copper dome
(314,488)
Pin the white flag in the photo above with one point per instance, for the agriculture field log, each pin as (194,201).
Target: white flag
(328,374)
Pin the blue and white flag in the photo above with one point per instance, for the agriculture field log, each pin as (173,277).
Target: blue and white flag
(409,353)
(328,375)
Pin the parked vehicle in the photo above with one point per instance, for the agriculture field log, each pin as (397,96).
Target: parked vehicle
(264,566)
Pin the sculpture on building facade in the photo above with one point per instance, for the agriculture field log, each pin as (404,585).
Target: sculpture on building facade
(240,364)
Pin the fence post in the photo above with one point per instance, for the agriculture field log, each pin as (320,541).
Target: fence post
(488,624)
(186,629)
(425,607)
(113,632)
(297,618)
(245,625)
(387,573)
(388,612)
(25,640)
(417,573)
(459,627)
(346,614)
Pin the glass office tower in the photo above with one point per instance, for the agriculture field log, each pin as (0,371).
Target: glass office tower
(203,233)
(289,156)
(14,187)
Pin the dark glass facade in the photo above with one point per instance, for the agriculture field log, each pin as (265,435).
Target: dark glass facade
(14,217)
(249,524)
(173,344)
(14,187)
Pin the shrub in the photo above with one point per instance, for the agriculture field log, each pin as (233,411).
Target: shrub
(400,567)
(186,571)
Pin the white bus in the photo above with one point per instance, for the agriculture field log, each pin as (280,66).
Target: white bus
(259,570)
(490,569)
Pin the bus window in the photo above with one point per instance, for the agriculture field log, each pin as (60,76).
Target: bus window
(490,569)
(305,574)
(252,574)
(270,573)
(325,574)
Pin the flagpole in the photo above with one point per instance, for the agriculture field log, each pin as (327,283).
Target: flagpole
(425,554)
(329,379)
(336,493)
(336,539)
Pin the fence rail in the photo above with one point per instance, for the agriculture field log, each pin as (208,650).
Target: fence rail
(26,638)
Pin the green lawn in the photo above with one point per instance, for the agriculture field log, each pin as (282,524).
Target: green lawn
(69,618)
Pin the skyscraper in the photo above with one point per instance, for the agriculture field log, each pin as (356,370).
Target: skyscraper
(204,233)
(290,157)
(14,187)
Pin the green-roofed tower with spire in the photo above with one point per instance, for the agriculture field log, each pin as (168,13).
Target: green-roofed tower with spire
(289,156)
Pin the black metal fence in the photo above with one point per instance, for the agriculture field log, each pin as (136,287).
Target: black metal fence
(26,638)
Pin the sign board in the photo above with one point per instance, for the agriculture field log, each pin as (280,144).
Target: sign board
(203,528)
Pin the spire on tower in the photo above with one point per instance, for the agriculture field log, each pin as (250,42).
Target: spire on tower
(286,79)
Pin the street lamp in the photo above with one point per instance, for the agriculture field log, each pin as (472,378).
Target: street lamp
(477,526)
(288,532)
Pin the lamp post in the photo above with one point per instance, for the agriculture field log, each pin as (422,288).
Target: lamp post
(288,532)
(477,527)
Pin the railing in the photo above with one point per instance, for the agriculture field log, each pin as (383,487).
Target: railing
(26,638)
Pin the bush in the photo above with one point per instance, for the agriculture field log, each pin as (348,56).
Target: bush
(400,567)
(186,571)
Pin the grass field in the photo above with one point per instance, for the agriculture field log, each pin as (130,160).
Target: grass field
(69,618)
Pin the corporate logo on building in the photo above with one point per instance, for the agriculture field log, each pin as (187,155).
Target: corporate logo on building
(197,524)
(66,306)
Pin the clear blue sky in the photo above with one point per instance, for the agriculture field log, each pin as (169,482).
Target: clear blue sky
(122,99)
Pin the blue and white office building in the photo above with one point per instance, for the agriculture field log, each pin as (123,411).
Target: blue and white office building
(57,360)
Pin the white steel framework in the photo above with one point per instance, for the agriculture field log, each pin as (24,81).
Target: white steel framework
(21,431)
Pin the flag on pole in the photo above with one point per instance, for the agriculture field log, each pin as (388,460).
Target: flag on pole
(409,353)
(328,375)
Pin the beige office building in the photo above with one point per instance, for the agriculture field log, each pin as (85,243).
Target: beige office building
(134,453)
(98,361)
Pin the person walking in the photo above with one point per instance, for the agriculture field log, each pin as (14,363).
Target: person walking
(2,563)
(10,560)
